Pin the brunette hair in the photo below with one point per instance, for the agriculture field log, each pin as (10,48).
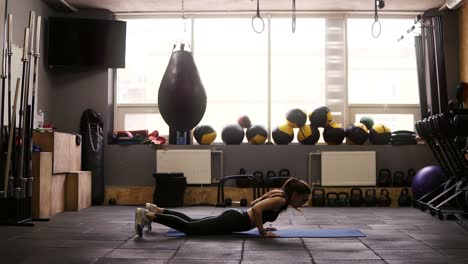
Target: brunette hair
(289,187)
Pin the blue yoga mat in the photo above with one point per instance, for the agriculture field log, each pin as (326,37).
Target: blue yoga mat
(290,233)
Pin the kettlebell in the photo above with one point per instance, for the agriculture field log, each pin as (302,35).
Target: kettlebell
(318,197)
(371,197)
(384,198)
(356,197)
(242,183)
(284,173)
(398,179)
(409,177)
(343,198)
(332,199)
(270,174)
(405,198)
(259,176)
(385,178)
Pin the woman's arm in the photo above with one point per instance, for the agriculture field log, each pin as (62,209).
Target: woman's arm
(273,204)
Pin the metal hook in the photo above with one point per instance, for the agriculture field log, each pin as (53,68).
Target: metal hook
(256,18)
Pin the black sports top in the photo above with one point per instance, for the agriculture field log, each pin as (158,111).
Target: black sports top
(271,216)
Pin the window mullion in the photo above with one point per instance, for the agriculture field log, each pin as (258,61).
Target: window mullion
(335,58)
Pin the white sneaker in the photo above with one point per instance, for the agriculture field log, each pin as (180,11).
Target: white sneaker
(140,220)
(151,207)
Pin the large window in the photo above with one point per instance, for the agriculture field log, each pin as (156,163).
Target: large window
(382,74)
(297,67)
(246,73)
(381,70)
(149,47)
(232,61)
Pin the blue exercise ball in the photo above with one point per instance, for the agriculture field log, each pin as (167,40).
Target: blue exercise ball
(426,180)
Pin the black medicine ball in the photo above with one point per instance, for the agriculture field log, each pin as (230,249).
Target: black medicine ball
(283,135)
(334,134)
(380,135)
(308,135)
(204,135)
(296,117)
(356,134)
(244,121)
(320,117)
(232,134)
(256,134)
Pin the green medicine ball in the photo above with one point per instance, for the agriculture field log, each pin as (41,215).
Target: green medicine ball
(367,121)
(356,134)
(334,134)
(320,117)
(204,135)
(283,135)
(256,135)
(232,134)
(296,117)
(380,134)
(308,135)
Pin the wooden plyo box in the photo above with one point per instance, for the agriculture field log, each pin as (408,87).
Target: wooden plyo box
(78,190)
(42,184)
(58,193)
(66,153)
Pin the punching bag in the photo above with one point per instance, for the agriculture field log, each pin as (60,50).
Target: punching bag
(92,152)
(181,97)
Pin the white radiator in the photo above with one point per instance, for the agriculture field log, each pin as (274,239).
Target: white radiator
(348,168)
(195,164)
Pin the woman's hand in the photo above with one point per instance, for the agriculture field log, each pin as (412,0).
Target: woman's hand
(270,234)
(270,228)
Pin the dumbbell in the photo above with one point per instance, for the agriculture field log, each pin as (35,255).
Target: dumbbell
(230,202)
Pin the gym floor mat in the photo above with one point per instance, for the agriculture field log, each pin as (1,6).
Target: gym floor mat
(288,233)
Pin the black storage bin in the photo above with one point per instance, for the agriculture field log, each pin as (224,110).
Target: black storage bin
(170,189)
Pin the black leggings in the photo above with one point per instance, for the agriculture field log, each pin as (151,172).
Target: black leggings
(229,221)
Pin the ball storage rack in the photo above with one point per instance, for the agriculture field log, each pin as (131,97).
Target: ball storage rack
(450,199)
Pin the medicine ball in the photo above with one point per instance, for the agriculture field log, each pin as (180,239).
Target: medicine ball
(367,121)
(204,135)
(232,134)
(356,134)
(308,135)
(320,117)
(334,134)
(283,135)
(380,134)
(256,134)
(296,117)
(244,121)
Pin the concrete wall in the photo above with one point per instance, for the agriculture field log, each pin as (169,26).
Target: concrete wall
(20,10)
(137,163)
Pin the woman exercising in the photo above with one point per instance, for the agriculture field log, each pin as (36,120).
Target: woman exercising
(294,192)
